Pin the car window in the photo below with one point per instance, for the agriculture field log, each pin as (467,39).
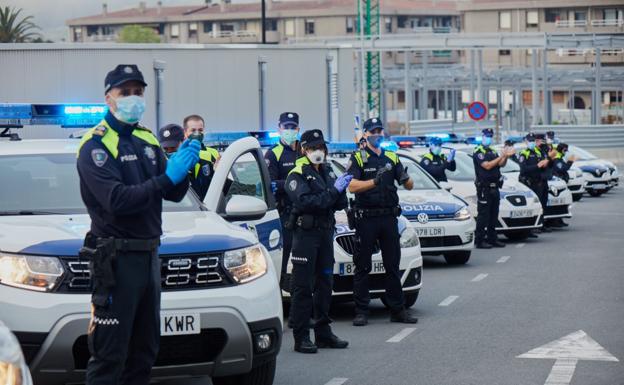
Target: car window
(50,183)
(245,178)
(581,154)
(422,180)
(464,169)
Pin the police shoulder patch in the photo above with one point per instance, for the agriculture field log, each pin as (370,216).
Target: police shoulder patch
(559,165)
(480,156)
(426,161)
(206,169)
(292,185)
(99,156)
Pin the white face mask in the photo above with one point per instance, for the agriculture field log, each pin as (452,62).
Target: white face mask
(316,156)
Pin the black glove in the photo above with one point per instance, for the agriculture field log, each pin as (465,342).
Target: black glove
(404,176)
(380,174)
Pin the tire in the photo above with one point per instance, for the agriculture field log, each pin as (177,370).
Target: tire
(518,235)
(410,299)
(260,375)
(596,193)
(577,197)
(457,257)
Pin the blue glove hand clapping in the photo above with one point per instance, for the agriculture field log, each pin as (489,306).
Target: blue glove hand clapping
(342,182)
(184,159)
(451,155)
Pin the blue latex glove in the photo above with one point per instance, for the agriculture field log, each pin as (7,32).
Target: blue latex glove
(342,182)
(451,155)
(183,160)
(274,187)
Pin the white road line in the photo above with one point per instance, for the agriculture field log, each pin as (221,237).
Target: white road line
(503,259)
(402,334)
(519,245)
(337,381)
(562,372)
(479,277)
(449,300)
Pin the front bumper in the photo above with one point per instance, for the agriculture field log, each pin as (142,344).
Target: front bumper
(519,212)
(594,183)
(458,236)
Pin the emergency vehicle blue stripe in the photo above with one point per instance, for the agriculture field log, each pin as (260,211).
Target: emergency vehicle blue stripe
(429,208)
(264,231)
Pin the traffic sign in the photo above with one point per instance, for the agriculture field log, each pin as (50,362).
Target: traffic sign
(477,111)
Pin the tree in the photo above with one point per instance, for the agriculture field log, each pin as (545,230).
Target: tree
(137,34)
(13,30)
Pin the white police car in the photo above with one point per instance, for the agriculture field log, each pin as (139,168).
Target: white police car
(600,175)
(216,276)
(576,183)
(442,221)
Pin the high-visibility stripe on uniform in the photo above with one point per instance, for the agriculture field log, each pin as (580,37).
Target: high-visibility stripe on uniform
(278,151)
(110,137)
(299,163)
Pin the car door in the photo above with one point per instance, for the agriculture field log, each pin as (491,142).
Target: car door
(243,171)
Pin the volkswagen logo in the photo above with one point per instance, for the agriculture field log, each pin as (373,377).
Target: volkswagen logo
(422,218)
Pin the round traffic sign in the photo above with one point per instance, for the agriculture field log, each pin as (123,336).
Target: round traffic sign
(477,111)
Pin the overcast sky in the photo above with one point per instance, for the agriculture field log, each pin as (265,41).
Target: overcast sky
(50,15)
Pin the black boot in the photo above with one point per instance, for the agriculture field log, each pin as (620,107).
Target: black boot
(497,243)
(305,346)
(403,316)
(483,245)
(360,320)
(333,342)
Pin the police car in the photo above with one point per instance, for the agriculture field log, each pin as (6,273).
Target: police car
(576,183)
(442,221)
(600,175)
(221,310)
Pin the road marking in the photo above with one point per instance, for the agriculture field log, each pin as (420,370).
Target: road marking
(519,245)
(503,259)
(337,381)
(402,334)
(449,300)
(566,352)
(479,277)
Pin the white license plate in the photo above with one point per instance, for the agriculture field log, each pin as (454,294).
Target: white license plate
(556,201)
(175,324)
(599,186)
(349,268)
(429,231)
(521,213)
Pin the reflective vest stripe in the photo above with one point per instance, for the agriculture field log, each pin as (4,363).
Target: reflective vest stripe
(110,139)
(278,151)
(299,163)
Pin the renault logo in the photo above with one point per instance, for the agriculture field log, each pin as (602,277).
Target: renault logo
(422,218)
(554,190)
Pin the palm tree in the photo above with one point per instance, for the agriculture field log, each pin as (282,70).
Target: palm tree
(13,30)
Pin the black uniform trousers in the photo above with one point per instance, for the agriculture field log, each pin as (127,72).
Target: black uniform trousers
(124,335)
(312,279)
(488,201)
(287,239)
(540,188)
(369,231)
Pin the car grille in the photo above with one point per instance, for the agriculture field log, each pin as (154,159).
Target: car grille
(432,217)
(452,240)
(556,210)
(516,200)
(520,222)
(174,350)
(593,183)
(559,191)
(347,244)
(575,188)
(375,281)
(178,272)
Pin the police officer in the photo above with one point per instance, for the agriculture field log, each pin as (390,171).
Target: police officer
(124,176)
(171,137)
(280,160)
(534,171)
(435,162)
(377,208)
(562,161)
(315,194)
(487,164)
(201,174)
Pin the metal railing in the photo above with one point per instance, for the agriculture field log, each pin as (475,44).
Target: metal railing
(591,136)
(431,126)
(570,23)
(607,23)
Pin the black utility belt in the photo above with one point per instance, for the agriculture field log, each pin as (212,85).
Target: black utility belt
(126,244)
(312,222)
(379,212)
(488,185)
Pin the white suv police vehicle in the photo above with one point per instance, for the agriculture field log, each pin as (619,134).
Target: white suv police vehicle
(221,310)
(600,175)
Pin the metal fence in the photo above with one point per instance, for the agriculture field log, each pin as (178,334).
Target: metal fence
(423,127)
(591,136)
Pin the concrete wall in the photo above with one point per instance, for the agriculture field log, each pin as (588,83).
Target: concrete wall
(217,82)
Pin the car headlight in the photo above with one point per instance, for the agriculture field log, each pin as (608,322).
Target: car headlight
(409,238)
(246,264)
(536,199)
(462,214)
(30,272)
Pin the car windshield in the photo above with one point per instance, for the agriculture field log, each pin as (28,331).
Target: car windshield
(464,170)
(580,153)
(511,166)
(49,184)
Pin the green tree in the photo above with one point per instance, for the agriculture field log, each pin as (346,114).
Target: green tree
(137,34)
(14,30)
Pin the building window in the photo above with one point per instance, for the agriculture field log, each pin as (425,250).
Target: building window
(175,30)
(350,24)
(207,26)
(609,14)
(532,18)
(92,30)
(504,52)
(552,15)
(388,25)
(78,34)
(504,20)
(402,22)
(580,16)
(289,28)
(107,30)
(270,25)
(226,27)
(309,27)
(192,30)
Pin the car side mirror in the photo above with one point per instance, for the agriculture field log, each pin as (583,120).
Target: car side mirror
(245,208)
(446,185)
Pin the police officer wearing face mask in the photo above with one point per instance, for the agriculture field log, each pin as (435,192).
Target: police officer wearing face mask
(280,160)
(435,163)
(316,195)
(375,172)
(489,180)
(170,137)
(124,176)
(201,174)
(534,170)
(562,161)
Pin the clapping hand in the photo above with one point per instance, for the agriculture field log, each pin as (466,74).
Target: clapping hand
(342,182)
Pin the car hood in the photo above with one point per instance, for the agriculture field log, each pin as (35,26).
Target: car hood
(431,202)
(183,232)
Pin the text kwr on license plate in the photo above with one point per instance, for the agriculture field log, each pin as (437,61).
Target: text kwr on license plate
(173,324)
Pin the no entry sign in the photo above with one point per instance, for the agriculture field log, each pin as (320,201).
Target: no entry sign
(477,111)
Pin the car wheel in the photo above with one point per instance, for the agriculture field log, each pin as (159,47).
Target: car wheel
(596,193)
(577,197)
(410,299)
(260,375)
(457,257)
(518,235)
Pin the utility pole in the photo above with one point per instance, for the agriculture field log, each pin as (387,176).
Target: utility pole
(263,21)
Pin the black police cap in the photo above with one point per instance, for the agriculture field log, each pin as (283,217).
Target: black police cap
(121,74)
(530,137)
(550,134)
(487,132)
(562,147)
(372,124)
(171,135)
(289,118)
(312,138)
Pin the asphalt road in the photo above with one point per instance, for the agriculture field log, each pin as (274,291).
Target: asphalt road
(544,289)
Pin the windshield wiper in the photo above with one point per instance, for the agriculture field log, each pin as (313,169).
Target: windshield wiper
(27,212)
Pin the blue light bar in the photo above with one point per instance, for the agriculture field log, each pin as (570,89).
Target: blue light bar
(341,147)
(85,109)
(390,145)
(439,135)
(224,139)
(64,115)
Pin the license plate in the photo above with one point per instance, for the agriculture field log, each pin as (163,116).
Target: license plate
(429,231)
(349,268)
(556,201)
(521,213)
(599,186)
(175,324)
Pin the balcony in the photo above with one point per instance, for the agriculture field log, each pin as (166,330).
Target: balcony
(571,23)
(240,36)
(607,23)
(101,38)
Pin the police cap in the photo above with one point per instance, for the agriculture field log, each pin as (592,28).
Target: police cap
(312,138)
(121,74)
(530,137)
(540,136)
(487,132)
(372,124)
(550,134)
(435,142)
(170,135)
(562,147)
(289,118)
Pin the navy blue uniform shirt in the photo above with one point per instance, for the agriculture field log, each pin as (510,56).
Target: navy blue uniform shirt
(436,165)
(124,194)
(280,160)
(385,194)
(528,160)
(485,154)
